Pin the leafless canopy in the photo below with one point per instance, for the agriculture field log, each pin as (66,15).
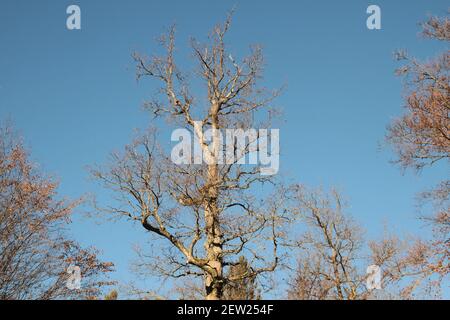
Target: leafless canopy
(186,205)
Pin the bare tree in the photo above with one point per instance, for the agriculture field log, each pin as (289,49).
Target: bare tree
(34,250)
(406,273)
(334,256)
(330,249)
(208,203)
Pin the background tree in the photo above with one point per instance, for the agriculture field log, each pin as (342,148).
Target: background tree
(112,295)
(34,251)
(334,255)
(330,249)
(405,267)
(241,287)
(208,203)
(421,137)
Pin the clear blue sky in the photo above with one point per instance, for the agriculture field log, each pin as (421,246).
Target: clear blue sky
(73,94)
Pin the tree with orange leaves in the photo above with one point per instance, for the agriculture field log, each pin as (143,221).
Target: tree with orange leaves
(35,253)
(421,137)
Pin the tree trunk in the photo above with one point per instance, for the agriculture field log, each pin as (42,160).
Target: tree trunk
(213,244)
(213,248)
